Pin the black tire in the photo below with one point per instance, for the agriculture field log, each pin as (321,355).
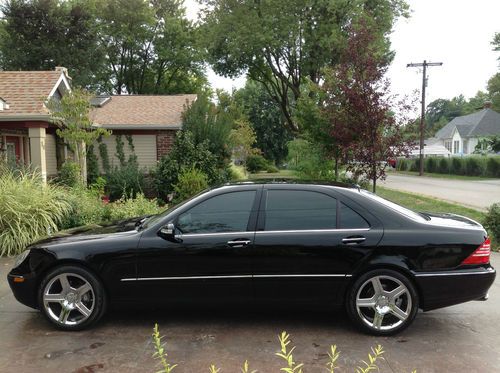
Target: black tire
(78,308)
(393,309)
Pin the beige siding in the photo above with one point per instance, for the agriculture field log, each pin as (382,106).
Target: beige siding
(50,155)
(145,149)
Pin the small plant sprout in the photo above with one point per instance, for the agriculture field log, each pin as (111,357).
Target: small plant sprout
(213,369)
(160,353)
(246,368)
(372,358)
(333,356)
(287,355)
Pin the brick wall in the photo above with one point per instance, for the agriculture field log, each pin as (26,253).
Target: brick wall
(164,142)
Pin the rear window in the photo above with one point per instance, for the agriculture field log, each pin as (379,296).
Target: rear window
(394,206)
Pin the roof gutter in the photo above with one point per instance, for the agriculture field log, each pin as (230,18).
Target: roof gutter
(24,117)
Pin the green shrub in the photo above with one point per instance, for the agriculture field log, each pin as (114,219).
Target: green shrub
(493,167)
(125,181)
(403,164)
(191,181)
(475,166)
(256,163)
(237,172)
(29,209)
(415,165)
(69,174)
(492,221)
(272,169)
(186,154)
(86,207)
(430,164)
(309,160)
(130,208)
(443,166)
(457,166)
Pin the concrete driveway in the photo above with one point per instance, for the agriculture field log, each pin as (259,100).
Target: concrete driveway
(478,194)
(460,338)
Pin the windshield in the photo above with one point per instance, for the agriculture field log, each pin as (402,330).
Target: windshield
(394,206)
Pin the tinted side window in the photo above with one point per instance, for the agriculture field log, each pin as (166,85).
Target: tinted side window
(351,219)
(299,210)
(223,213)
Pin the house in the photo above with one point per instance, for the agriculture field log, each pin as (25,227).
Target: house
(433,147)
(461,135)
(26,134)
(150,121)
(28,137)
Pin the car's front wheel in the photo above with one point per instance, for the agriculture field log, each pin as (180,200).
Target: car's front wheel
(71,297)
(382,302)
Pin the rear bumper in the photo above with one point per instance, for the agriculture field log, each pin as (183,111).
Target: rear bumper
(446,288)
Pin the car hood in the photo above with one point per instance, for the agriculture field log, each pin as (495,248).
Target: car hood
(452,220)
(92,232)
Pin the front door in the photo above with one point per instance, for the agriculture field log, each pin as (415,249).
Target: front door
(307,244)
(209,259)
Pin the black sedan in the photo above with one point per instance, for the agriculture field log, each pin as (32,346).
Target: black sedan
(264,242)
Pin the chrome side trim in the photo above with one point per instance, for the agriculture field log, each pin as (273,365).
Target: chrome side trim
(317,230)
(463,273)
(228,277)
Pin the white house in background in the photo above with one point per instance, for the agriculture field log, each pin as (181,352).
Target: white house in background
(461,135)
(433,147)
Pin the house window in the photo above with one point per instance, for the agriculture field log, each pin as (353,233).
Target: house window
(456,146)
(447,145)
(465,147)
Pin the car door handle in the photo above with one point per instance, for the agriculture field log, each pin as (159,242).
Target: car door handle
(238,243)
(353,240)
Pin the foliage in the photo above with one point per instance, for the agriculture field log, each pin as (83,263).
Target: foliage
(333,356)
(131,207)
(266,119)
(256,163)
(211,124)
(43,34)
(186,154)
(494,91)
(92,165)
(125,181)
(72,115)
(160,352)
(86,208)
(487,145)
(30,210)
(360,109)
(371,365)
(308,160)
(69,174)
(237,172)
(287,354)
(492,221)
(467,166)
(281,43)
(190,182)
(242,139)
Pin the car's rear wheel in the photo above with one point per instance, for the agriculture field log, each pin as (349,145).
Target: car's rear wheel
(382,302)
(71,297)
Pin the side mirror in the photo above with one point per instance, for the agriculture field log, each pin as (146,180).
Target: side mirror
(168,232)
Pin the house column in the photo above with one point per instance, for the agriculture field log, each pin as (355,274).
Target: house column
(37,150)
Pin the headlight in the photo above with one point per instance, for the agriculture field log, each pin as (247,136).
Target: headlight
(20,258)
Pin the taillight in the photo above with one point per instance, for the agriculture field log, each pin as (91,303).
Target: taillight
(481,255)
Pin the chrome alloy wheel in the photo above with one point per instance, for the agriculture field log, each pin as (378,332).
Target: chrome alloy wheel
(383,303)
(68,299)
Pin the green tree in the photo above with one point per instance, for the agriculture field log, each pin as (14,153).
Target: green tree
(494,91)
(266,119)
(43,34)
(242,139)
(71,114)
(150,47)
(281,43)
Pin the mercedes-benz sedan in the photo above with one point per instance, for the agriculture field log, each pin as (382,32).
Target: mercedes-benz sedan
(264,242)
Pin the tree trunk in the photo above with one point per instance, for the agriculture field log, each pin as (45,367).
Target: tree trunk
(374,169)
(336,167)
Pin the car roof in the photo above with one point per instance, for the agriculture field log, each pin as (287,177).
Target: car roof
(283,181)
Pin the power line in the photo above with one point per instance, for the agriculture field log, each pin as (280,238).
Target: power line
(424,65)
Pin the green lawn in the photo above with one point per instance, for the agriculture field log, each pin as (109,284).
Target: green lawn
(440,176)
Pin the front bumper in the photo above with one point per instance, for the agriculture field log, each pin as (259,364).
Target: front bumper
(446,288)
(26,291)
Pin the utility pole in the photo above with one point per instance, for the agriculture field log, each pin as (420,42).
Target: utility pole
(424,65)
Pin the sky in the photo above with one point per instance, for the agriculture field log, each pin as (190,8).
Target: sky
(455,32)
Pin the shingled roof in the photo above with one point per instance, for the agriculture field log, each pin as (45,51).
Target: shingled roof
(140,111)
(26,91)
(485,122)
